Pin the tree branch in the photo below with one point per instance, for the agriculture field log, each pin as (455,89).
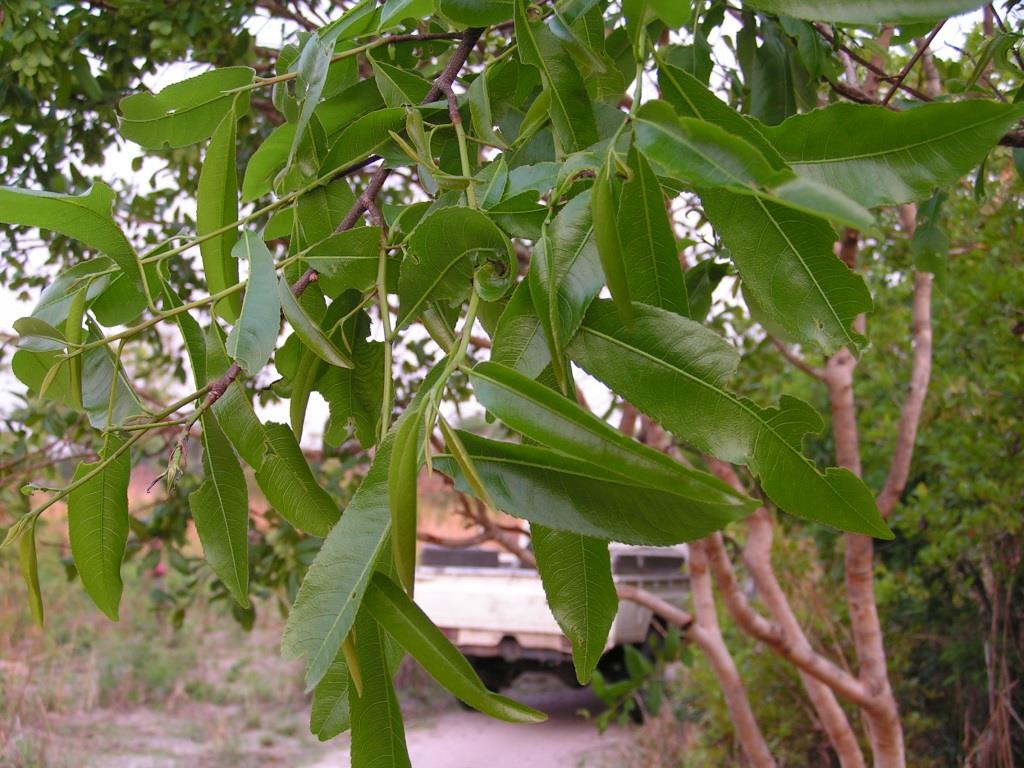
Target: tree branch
(913,406)
(798,362)
(784,635)
(921,48)
(748,732)
(882,717)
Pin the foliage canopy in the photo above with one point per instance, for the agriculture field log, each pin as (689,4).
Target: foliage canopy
(524,162)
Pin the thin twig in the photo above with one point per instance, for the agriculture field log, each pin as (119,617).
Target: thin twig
(921,48)
(798,362)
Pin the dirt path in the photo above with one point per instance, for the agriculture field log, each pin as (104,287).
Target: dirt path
(460,739)
(208,735)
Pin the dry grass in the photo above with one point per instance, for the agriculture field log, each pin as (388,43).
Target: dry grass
(85,692)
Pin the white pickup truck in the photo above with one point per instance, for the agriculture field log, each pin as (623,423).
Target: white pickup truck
(495,610)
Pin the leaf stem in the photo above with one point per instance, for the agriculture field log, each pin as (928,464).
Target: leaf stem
(101,465)
(385,321)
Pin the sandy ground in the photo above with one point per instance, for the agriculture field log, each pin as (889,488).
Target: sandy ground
(206,735)
(461,739)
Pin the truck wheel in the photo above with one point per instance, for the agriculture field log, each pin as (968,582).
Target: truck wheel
(637,714)
(495,673)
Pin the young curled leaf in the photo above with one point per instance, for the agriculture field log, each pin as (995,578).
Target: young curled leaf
(494,275)
(446,250)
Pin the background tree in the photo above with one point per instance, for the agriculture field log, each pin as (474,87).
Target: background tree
(522,167)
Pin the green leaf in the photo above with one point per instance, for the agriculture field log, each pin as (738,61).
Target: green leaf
(234,409)
(35,369)
(101,373)
(326,605)
(401,618)
(308,330)
(789,269)
(674,370)
(476,13)
(604,204)
(576,572)
(773,87)
(704,155)
(346,259)
(543,415)
(879,157)
(480,113)
(220,508)
(815,298)
(355,101)
(491,181)
(445,249)
(672,12)
(186,112)
(86,218)
(364,137)
(56,299)
(286,480)
(29,565)
(98,525)
(282,472)
(252,339)
(216,207)
(698,152)
(378,735)
(403,472)
(329,714)
(357,20)
(565,275)
(191,333)
(395,11)
(311,74)
(701,281)
(302,380)
(319,212)
(572,113)
(398,87)
(867,11)
(355,396)
(692,98)
(519,341)
(648,243)
(266,161)
(572,495)
(36,335)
